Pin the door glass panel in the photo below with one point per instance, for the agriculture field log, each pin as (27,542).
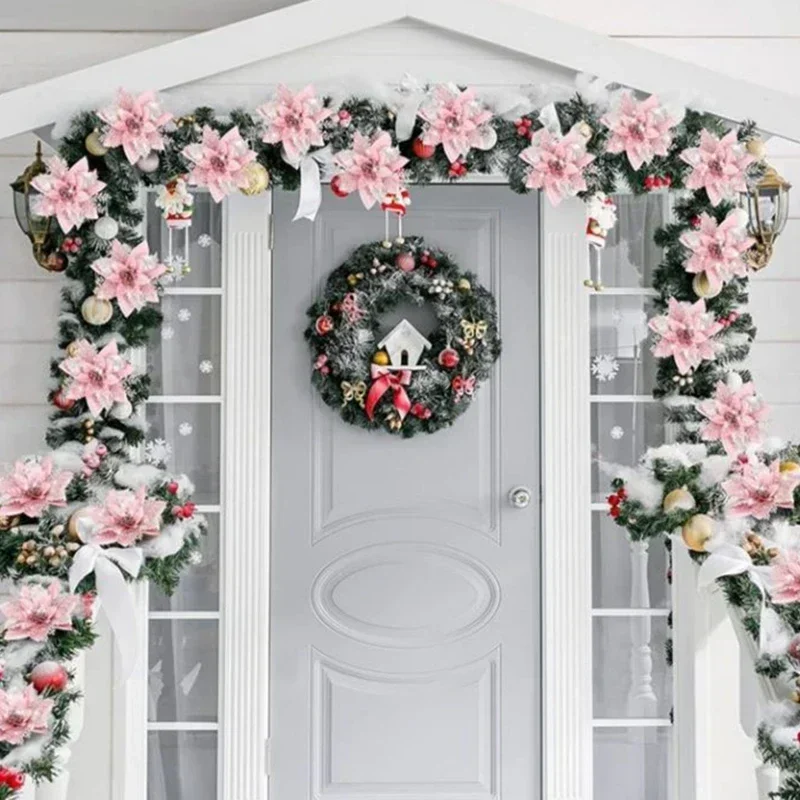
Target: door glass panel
(181,765)
(632,763)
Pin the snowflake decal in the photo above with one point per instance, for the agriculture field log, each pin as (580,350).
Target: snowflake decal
(167,332)
(605,368)
(204,240)
(157,451)
(206,367)
(616,432)
(184,315)
(185,429)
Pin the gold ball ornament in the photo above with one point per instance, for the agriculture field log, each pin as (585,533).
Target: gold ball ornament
(72,349)
(790,467)
(585,130)
(257,179)
(702,286)
(464,285)
(757,148)
(7,523)
(381,358)
(697,531)
(679,500)
(96,311)
(94,146)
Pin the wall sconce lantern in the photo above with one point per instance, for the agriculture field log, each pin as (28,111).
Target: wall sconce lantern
(767,205)
(34,226)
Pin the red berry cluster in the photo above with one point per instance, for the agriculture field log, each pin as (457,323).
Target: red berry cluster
(172,487)
(71,244)
(730,319)
(458,169)
(695,221)
(186,511)
(657,182)
(9,777)
(614,500)
(428,260)
(420,411)
(524,125)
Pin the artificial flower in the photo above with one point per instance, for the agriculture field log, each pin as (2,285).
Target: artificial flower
(128,276)
(734,416)
(31,487)
(293,121)
(758,489)
(135,123)
(686,334)
(37,612)
(642,129)
(718,165)
(457,121)
(717,249)
(126,517)
(557,164)
(67,193)
(784,578)
(97,377)
(219,162)
(373,167)
(23,713)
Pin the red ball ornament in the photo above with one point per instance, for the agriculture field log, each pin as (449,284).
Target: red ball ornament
(336,186)
(448,358)
(614,511)
(614,499)
(186,511)
(62,402)
(49,675)
(323,325)
(422,150)
(405,262)
(172,487)
(621,493)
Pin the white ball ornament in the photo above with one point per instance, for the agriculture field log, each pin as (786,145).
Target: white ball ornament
(149,163)
(96,311)
(106,228)
(122,410)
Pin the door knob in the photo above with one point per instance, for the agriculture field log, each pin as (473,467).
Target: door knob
(520,497)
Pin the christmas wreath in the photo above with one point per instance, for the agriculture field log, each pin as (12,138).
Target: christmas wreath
(401,380)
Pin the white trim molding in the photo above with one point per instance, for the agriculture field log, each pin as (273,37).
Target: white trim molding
(566,510)
(306,24)
(245,543)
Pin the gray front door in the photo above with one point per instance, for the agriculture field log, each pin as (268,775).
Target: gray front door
(405,586)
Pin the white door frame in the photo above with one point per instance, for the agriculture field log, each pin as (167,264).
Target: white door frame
(245,556)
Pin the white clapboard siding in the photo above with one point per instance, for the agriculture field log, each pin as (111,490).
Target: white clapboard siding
(31,315)
(774,306)
(27,365)
(776,366)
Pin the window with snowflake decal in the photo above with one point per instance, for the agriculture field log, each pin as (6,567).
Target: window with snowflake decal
(605,368)
(157,451)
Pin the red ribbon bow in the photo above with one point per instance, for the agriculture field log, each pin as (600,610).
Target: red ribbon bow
(384,379)
(463,386)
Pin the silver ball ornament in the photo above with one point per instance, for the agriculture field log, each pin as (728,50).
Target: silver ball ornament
(149,163)
(106,228)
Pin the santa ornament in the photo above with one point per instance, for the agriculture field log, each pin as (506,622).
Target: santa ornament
(177,206)
(601,212)
(396,204)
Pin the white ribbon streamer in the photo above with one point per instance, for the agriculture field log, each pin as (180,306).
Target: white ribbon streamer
(412,94)
(549,119)
(108,565)
(311,184)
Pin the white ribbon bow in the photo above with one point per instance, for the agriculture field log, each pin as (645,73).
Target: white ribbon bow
(311,184)
(412,93)
(548,116)
(108,565)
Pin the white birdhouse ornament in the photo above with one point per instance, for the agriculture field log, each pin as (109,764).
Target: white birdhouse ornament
(404,345)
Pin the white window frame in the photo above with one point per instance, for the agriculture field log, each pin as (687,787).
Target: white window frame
(566,626)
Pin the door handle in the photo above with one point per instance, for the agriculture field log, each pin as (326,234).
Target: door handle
(520,497)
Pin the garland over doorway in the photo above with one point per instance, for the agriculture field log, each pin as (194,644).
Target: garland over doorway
(85,514)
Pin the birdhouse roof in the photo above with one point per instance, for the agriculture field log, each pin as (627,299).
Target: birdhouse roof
(404,327)
(511,27)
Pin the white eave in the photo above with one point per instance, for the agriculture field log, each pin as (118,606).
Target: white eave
(315,21)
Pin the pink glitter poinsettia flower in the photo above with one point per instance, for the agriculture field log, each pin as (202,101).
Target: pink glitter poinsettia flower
(135,123)
(373,168)
(784,578)
(734,415)
(219,162)
(717,248)
(126,517)
(293,121)
(557,164)
(31,487)
(37,612)
(457,121)
(67,193)
(686,334)
(640,129)
(128,276)
(97,377)
(23,713)
(718,165)
(757,490)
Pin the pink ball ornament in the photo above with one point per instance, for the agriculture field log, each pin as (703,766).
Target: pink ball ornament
(406,262)
(49,675)
(793,650)
(149,163)
(448,358)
